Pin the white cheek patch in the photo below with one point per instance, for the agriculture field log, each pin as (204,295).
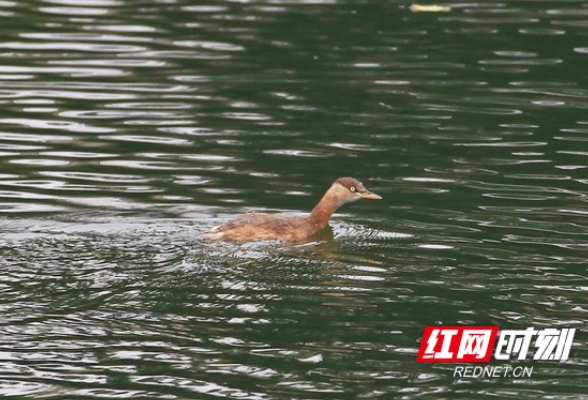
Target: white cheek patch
(349,200)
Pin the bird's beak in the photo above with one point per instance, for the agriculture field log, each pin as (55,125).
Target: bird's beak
(369,195)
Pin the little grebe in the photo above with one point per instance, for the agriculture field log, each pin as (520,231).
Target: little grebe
(255,226)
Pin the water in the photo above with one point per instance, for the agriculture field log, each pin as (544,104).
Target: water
(129,128)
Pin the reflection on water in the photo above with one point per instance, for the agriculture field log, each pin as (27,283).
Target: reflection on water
(128,129)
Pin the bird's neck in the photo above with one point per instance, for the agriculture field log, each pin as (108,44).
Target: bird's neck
(323,211)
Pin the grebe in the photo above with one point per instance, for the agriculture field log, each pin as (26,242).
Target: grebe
(256,226)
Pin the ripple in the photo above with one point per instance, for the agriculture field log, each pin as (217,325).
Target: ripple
(73,72)
(354,147)
(218,46)
(52,124)
(75,11)
(96,177)
(205,9)
(20,388)
(532,61)
(150,106)
(195,386)
(249,116)
(20,147)
(40,161)
(130,28)
(504,144)
(151,139)
(22,195)
(76,154)
(109,114)
(23,208)
(361,233)
(435,246)
(543,31)
(145,165)
(296,153)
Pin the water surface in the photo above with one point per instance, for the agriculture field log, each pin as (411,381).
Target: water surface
(129,128)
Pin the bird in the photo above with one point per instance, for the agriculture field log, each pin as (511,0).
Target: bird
(261,226)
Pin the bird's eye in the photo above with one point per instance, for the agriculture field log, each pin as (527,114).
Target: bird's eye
(352,188)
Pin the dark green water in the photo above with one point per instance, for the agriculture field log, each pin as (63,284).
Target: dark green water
(128,128)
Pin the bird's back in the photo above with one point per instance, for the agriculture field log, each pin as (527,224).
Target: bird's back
(257,226)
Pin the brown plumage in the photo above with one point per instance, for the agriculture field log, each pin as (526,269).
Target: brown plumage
(257,226)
